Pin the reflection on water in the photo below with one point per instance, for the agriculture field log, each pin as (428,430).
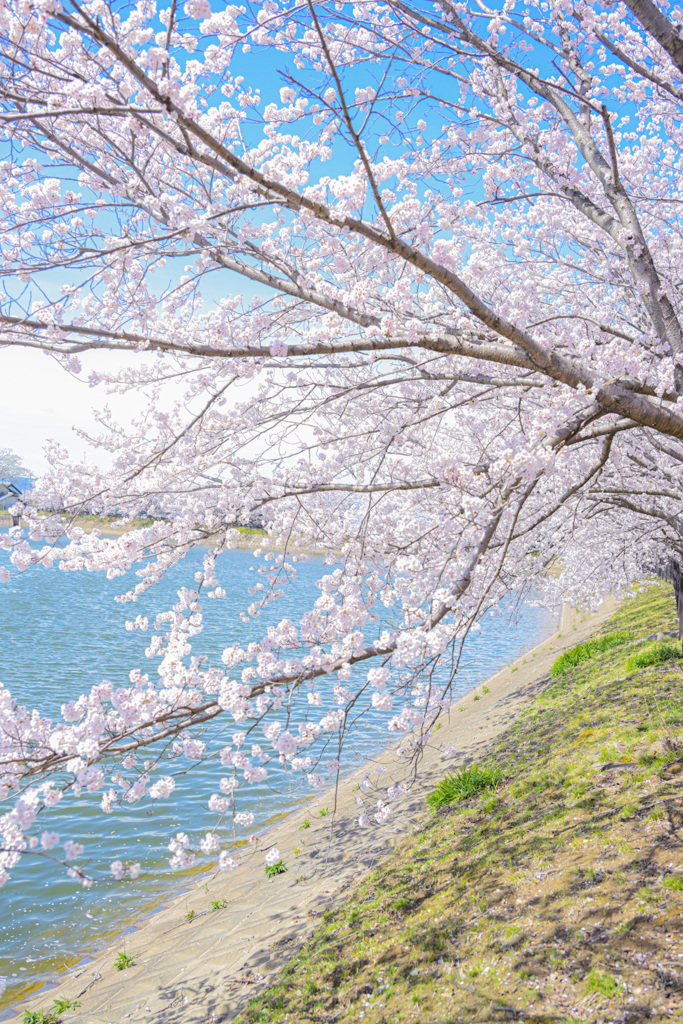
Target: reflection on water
(60,634)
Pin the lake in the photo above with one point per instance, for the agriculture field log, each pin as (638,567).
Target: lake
(62,633)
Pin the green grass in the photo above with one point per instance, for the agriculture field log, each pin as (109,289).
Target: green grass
(654,654)
(588,650)
(602,983)
(535,891)
(464,783)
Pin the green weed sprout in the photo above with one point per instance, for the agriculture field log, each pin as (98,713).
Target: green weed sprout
(275,869)
(123,961)
(53,1015)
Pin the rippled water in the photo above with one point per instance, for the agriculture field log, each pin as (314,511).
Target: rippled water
(60,634)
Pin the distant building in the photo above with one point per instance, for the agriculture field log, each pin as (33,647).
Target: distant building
(13,489)
(256,520)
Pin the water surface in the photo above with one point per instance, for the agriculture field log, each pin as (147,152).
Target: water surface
(60,634)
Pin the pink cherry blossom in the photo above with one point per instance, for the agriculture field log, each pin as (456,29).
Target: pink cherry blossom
(49,840)
(226,863)
(117,869)
(210,843)
(456,362)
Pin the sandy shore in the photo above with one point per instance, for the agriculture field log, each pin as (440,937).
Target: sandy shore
(205,970)
(112,529)
(246,540)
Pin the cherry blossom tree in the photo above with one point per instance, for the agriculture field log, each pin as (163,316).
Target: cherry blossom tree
(11,464)
(416,269)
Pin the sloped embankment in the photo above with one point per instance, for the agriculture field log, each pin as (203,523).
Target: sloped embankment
(554,896)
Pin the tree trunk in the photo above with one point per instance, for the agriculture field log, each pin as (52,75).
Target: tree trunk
(676,577)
